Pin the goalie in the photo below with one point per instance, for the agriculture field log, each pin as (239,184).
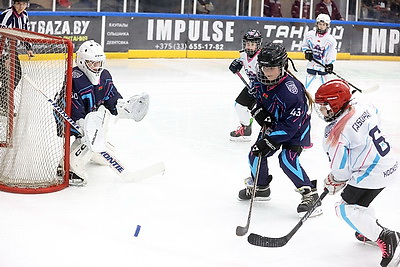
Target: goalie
(94,99)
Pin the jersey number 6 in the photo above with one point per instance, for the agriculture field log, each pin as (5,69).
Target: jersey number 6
(381,145)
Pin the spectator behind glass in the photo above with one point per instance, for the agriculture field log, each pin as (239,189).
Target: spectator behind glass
(63,4)
(204,7)
(86,5)
(112,6)
(272,8)
(328,7)
(296,9)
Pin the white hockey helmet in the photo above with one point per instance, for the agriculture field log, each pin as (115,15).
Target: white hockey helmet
(90,59)
(323,18)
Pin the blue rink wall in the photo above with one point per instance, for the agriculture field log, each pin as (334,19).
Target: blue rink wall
(154,35)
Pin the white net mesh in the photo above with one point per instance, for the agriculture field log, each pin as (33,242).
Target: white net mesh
(32,143)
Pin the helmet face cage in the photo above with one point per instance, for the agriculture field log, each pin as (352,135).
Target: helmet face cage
(253,36)
(331,99)
(272,55)
(90,59)
(324,18)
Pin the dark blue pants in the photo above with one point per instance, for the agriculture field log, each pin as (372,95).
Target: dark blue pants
(289,163)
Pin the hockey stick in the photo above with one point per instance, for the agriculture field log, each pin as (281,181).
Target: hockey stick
(114,163)
(367,90)
(274,242)
(244,81)
(242,230)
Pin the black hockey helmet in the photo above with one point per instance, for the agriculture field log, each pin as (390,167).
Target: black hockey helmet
(253,36)
(272,55)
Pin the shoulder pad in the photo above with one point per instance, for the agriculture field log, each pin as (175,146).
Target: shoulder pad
(76,73)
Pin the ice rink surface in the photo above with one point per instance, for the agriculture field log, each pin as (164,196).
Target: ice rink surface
(188,216)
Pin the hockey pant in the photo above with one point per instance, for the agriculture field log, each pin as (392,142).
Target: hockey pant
(314,80)
(289,163)
(244,103)
(354,210)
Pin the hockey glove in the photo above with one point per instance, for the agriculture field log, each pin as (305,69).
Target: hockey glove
(267,147)
(135,108)
(236,66)
(263,117)
(332,185)
(308,54)
(329,68)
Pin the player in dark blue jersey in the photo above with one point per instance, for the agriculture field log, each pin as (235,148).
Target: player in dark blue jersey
(283,109)
(94,99)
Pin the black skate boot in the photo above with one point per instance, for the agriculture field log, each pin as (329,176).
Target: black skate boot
(388,241)
(75,180)
(262,192)
(242,134)
(309,196)
(364,239)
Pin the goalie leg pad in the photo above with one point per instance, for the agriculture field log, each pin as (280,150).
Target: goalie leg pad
(94,127)
(79,158)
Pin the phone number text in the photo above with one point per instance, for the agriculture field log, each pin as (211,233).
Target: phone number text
(191,46)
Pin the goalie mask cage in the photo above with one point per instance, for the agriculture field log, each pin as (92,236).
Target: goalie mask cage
(34,141)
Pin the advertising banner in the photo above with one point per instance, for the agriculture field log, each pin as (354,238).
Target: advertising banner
(77,29)
(212,33)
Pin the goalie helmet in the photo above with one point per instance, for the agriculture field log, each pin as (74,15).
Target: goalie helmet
(272,55)
(253,36)
(90,59)
(324,18)
(331,99)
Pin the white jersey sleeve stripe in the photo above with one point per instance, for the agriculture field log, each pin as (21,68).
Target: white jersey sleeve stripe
(369,169)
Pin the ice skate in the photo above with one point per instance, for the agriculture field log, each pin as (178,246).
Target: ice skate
(262,192)
(309,196)
(388,242)
(75,180)
(365,240)
(242,134)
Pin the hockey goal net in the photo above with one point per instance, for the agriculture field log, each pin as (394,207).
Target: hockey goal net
(34,141)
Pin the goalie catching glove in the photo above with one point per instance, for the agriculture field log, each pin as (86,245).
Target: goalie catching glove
(135,108)
(332,185)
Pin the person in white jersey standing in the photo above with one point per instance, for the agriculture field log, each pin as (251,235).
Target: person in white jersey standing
(251,44)
(362,163)
(319,45)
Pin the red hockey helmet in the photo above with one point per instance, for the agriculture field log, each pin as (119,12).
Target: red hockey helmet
(333,96)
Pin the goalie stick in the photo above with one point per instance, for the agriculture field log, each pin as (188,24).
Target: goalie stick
(274,242)
(114,163)
(367,90)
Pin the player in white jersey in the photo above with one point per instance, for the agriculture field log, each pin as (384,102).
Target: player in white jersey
(320,45)
(361,162)
(251,44)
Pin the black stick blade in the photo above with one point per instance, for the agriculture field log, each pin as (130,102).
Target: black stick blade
(241,231)
(270,242)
